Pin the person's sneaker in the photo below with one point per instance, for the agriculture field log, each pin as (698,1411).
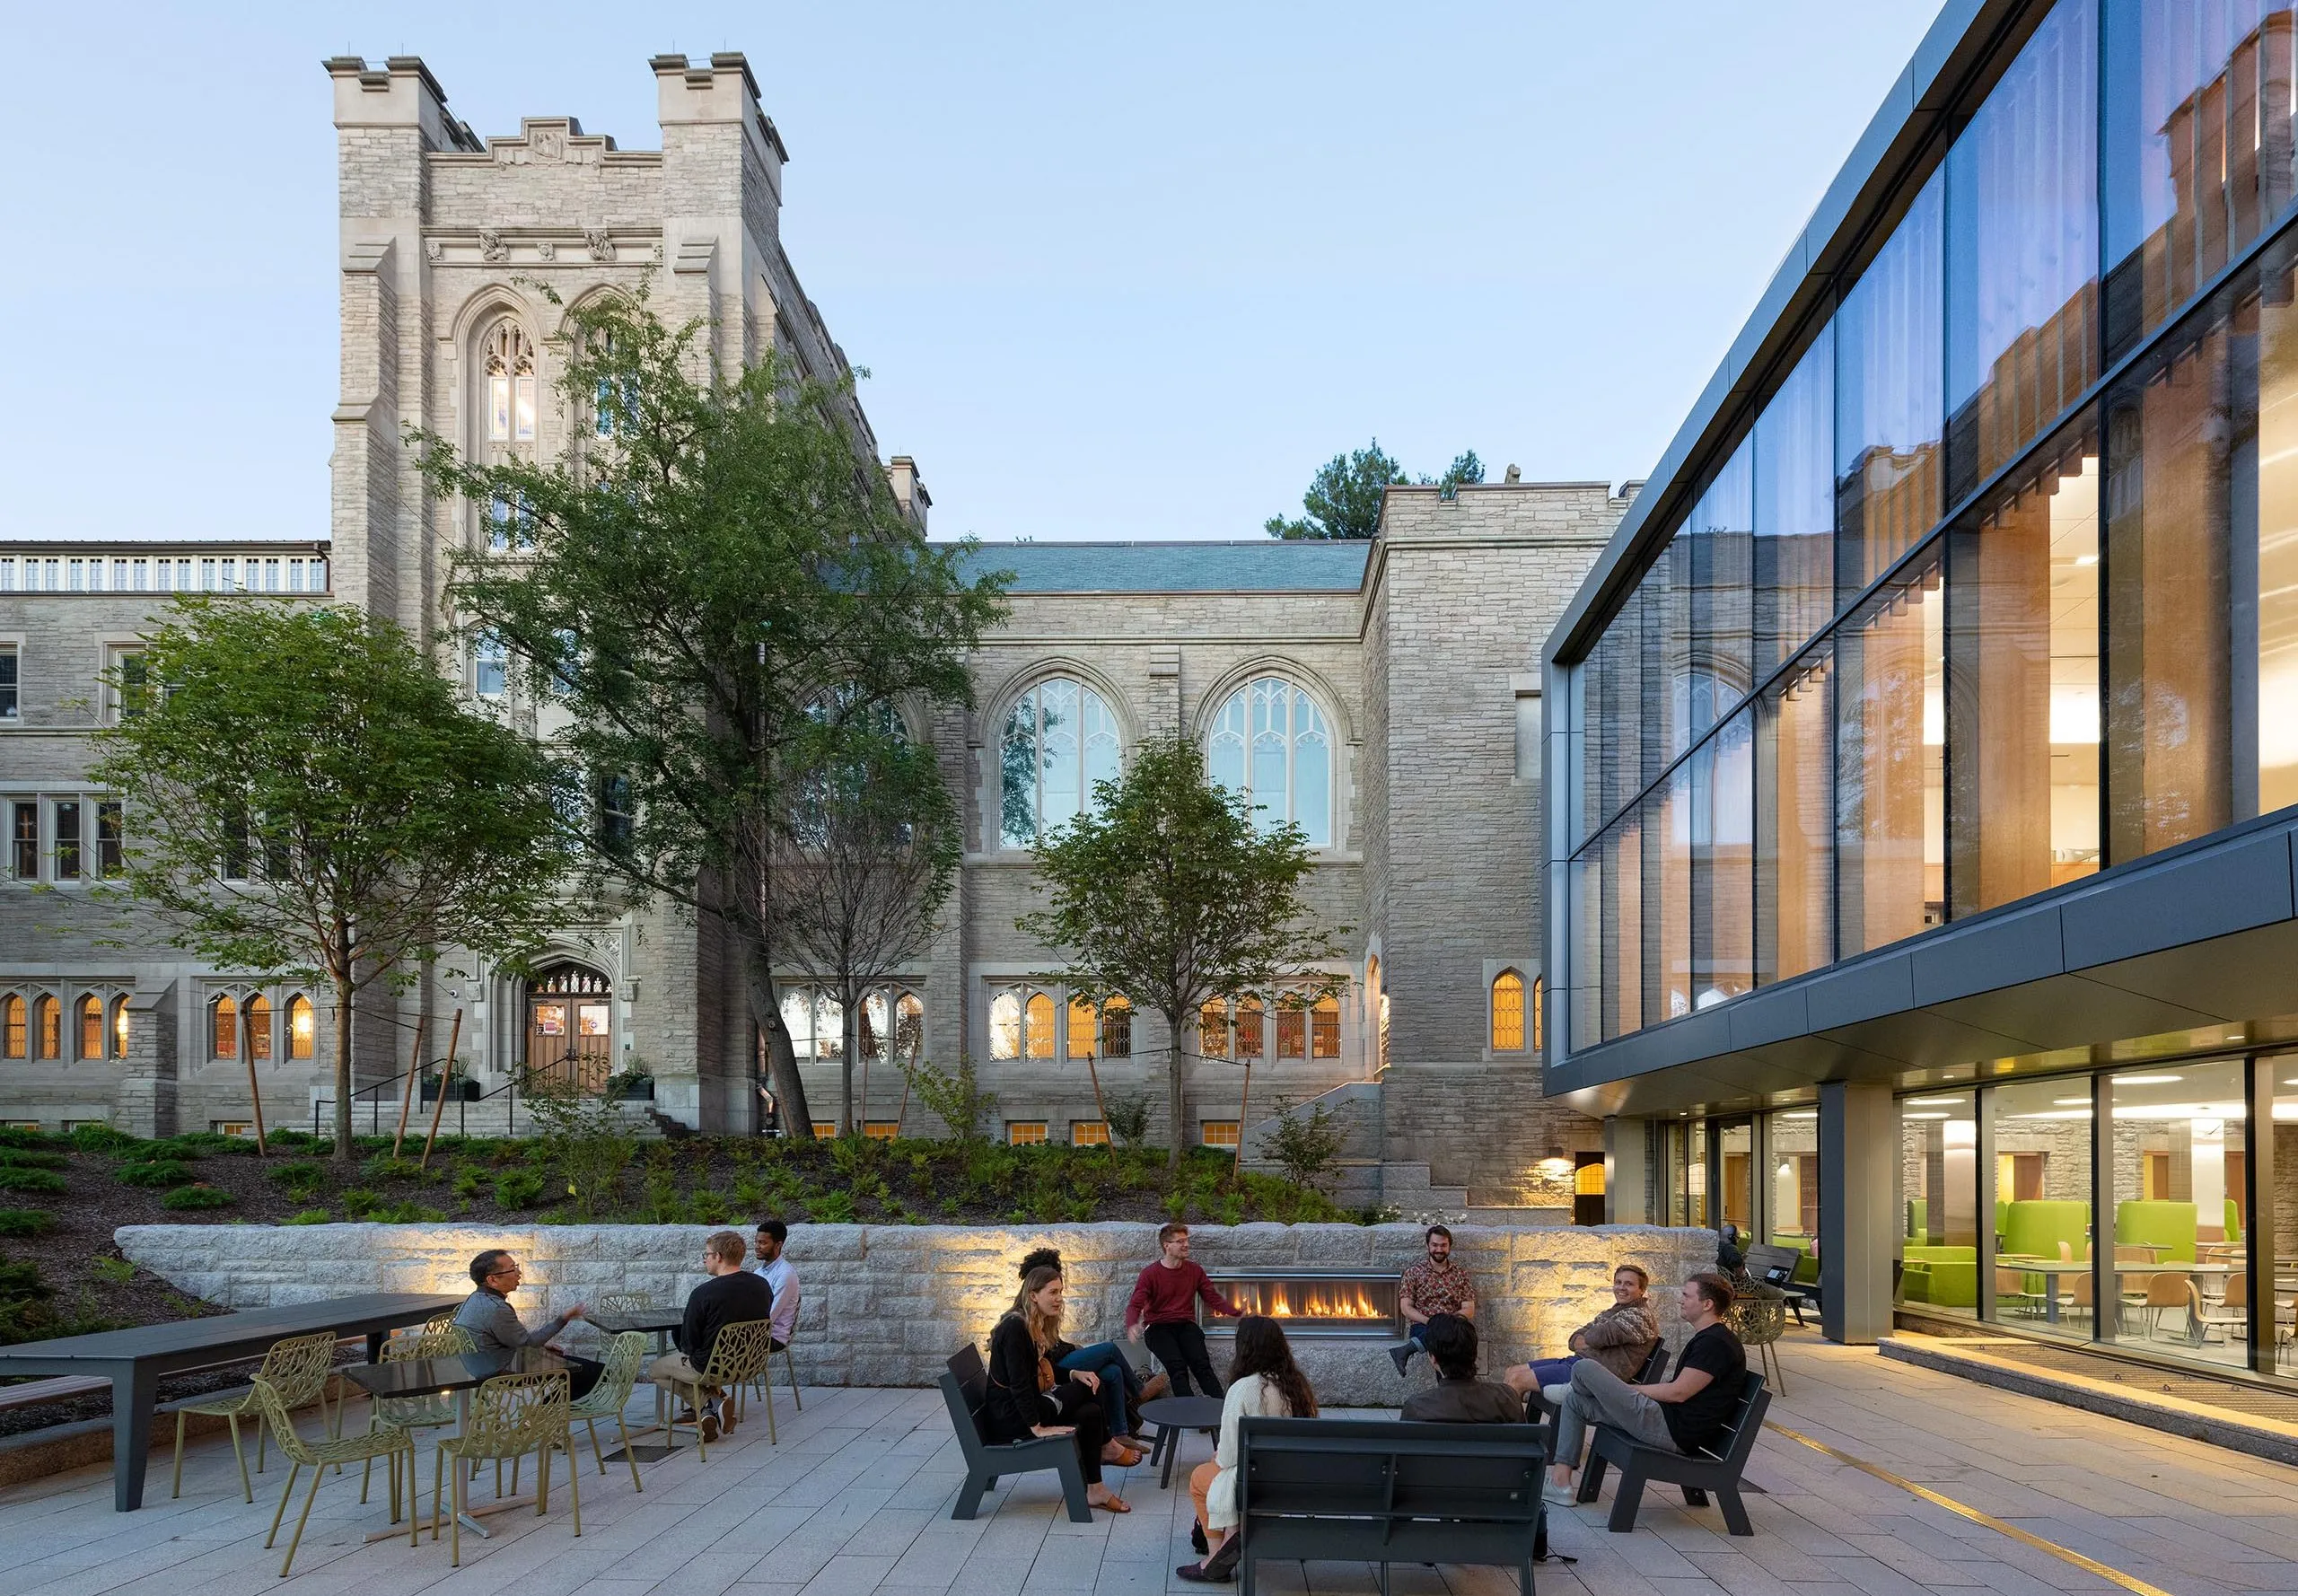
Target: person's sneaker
(727,1415)
(1400,1356)
(709,1425)
(1557,1495)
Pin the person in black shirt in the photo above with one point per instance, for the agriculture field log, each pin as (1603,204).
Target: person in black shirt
(732,1295)
(1459,1396)
(1687,1412)
(1027,1398)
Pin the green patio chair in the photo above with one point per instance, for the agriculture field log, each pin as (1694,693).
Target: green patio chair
(438,1338)
(626,1354)
(511,1415)
(303,1454)
(738,1353)
(297,1371)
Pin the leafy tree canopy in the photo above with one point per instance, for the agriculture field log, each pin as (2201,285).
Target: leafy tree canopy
(1344,497)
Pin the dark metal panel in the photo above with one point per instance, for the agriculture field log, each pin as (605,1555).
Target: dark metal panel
(1926,1039)
(2071,1012)
(2189,897)
(2249,976)
(1999,951)
(1770,1015)
(1854,992)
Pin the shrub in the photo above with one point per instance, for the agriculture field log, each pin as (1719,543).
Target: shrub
(1128,1117)
(309,1217)
(1306,1148)
(358,1201)
(162,1172)
(118,1271)
(957,1099)
(96,1137)
(22,1135)
(469,1182)
(830,1207)
(517,1188)
(384,1167)
(298,1175)
(199,1143)
(405,1214)
(165,1147)
(26,1222)
(27,1158)
(13,1177)
(197,1196)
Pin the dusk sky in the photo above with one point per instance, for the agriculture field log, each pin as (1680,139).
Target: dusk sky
(1116,272)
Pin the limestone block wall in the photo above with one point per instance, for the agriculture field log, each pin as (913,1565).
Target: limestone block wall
(886,1304)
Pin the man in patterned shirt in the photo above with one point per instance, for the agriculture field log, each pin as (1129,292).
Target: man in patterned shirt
(1436,1287)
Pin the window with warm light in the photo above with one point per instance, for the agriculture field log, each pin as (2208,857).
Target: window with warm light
(1540,1021)
(88,1015)
(47,1017)
(881,1130)
(223,1029)
(119,1028)
(1324,1028)
(1212,1029)
(1025,1133)
(11,1027)
(1217,1133)
(1083,1030)
(1037,1034)
(301,1026)
(1508,1012)
(259,1017)
(1089,1133)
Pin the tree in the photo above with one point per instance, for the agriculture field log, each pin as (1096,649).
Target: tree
(715,553)
(1344,497)
(1465,468)
(1168,894)
(865,866)
(305,794)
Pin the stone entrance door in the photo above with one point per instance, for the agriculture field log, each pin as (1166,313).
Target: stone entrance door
(570,1025)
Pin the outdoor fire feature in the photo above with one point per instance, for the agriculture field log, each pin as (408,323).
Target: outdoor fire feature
(1311,1301)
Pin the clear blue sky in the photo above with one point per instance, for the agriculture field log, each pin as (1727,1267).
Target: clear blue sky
(1117,271)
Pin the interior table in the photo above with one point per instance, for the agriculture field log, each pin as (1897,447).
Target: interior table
(1174,1416)
(2051,1268)
(133,1360)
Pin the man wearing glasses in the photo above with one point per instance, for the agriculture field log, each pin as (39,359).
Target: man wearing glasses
(494,1324)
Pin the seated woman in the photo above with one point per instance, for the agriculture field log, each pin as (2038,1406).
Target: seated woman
(1620,1338)
(1265,1382)
(1025,1398)
(1107,1362)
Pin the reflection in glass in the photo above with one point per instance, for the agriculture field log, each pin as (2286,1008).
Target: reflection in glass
(1735,1170)
(1890,396)
(1665,688)
(2180,1176)
(1269,743)
(2041,1197)
(1795,509)
(2022,249)
(1723,911)
(1059,742)
(2282,1266)
(1667,890)
(2196,156)
(1610,684)
(1939,1188)
(1608,962)
(1795,859)
(2023,724)
(1891,731)
(2274,723)
(1792,1213)
(1715,547)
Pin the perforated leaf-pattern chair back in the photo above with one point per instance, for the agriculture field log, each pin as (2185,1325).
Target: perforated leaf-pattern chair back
(627,1302)
(269,1405)
(511,1415)
(432,1341)
(739,1353)
(626,1355)
(297,1369)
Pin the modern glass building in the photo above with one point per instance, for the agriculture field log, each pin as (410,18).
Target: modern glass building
(1923,748)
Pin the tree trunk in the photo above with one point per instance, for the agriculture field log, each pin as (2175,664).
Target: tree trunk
(850,1044)
(1173,1093)
(255,1088)
(781,1059)
(343,1068)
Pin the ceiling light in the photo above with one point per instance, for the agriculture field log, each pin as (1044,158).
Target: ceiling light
(1936,1101)
(1923,1116)
(2086,559)
(2072,1102)
(2147,1079)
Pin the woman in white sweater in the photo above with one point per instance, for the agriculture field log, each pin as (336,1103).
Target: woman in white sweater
(1264,1382)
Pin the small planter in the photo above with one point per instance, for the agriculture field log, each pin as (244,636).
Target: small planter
(458,1091)
(637,1092)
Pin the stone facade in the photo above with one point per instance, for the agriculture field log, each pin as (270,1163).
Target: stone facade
(886,1304)
(1419,651)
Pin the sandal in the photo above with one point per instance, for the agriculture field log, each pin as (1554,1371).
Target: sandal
(1112,1504)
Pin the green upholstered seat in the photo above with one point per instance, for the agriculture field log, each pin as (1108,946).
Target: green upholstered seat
(2165,1225)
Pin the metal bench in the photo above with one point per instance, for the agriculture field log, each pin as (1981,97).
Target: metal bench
(31,1393)
(1538,1411)
(965,1387)
(1376,1491)
(1717,1470)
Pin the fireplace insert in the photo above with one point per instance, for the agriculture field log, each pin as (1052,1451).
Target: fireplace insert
(1311,1301)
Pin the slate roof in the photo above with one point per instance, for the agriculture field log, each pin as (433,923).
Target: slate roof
(1267,565)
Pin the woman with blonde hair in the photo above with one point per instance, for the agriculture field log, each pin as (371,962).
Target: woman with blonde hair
(1264,1382)
(1027,1398)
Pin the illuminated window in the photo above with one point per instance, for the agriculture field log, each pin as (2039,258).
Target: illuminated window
(1060,740)
(11,1027)
(1025,1133)
(1271,744)
(119,1028)
(223,1029)
(258,1027)
(88,1017)
(1508,1012)
(48,1017)
(1117,1029)
(1212,1029)
(1037,1034)
(824,1130)
(881,1130)
(1217,1133)
(1324,1028)
(1292,1033)
(1248,1028)
(1021,1022)
(1006,1024)
(1089,1133)
(1083,1030)
(1539,1018)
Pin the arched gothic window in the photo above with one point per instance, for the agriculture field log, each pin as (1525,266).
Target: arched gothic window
(1271,743)
(119,1027)
(1539,1018)
(510,365)
(223,1028)
(48,1021)
(1508,1012)
(88,1015)
(11,1027)
(301,1028)
(1060,739)
(258,1027)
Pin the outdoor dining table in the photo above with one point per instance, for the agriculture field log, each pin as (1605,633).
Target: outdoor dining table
(132,1360)
(460,1373)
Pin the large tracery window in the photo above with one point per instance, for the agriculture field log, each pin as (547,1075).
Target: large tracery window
(510,385)
(1271,744)
(1060,739)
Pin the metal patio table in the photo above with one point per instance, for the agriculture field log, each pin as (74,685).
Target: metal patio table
(1173,1415)
(2051,1268)
(133,1360)
(657,1322)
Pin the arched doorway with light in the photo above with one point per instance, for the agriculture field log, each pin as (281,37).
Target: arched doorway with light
(570,1025)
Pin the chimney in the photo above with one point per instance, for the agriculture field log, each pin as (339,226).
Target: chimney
(909,490)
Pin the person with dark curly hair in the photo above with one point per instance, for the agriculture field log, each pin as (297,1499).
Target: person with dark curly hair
(1264,1382)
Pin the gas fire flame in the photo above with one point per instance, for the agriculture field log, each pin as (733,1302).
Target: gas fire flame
(1302,1299)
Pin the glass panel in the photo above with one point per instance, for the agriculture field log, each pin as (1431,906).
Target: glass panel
(119,1029)
(300,1028)
(1117,1029)
(1667,892)
(2022,249)
(1592,973)
(498,408)
(1890,729)
(1723,925)
(1890,396)
(1037,1029)
(1938,1187)
(1313,770)
(1617,928)
(1063,773)
(2274,723)
(1006,1024)
(1716,543)
(522,409)
(829,1027)
(1791,1216)
(1508,1012)
(2180,1176)
(1324,1029)
(223,1029)
(2198,148)
(1224,745)
(1794,857)
(1612,717)
(1081,1029)
(1270,701)
(1017,769)
(2024,720)
(2281,1192)
(1249,1041)
(68,841)
(1735,1170)
(1101,745)
(1664,691)
(1794,517)
(1292,1033)
(1212,1029)
(259,1024)
(2041,1195)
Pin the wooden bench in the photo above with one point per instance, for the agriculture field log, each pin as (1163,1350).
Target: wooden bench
(1377,1491)
(965,1387)
(1716,1468)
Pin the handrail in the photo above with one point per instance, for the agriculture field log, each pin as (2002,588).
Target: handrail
(383,1093)
(387,1092)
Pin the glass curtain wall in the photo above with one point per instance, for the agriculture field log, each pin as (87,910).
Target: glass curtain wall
(1791,1210)
(1735,1176)
(2278,1195)
(2038,1188)
(2179,1161)
(1939,1244)
(1890,397)
(1890,741)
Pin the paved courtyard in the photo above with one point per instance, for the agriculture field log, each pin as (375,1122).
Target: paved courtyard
(855,1500)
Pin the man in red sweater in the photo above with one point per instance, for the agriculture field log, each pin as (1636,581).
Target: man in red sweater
(1163,1311)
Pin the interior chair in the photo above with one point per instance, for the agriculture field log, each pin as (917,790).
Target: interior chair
(2162,1292)
(297,1371)
(735,1358)
(511,1415)
(2230,1316)
(2011,1293)
(625,1354)
(315,1456)
(438,1338)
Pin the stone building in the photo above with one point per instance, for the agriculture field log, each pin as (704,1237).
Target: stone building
(1384,695)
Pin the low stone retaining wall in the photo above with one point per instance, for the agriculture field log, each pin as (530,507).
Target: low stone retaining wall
(886,1304)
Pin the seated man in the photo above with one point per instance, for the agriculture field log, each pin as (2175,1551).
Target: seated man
(732,1295)
(1459,1396)
(777,1272)
(1433,1288)
(1687,1412)
(494,1324)
(1620,1338)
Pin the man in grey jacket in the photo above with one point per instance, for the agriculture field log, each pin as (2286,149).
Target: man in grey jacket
(494,1325)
